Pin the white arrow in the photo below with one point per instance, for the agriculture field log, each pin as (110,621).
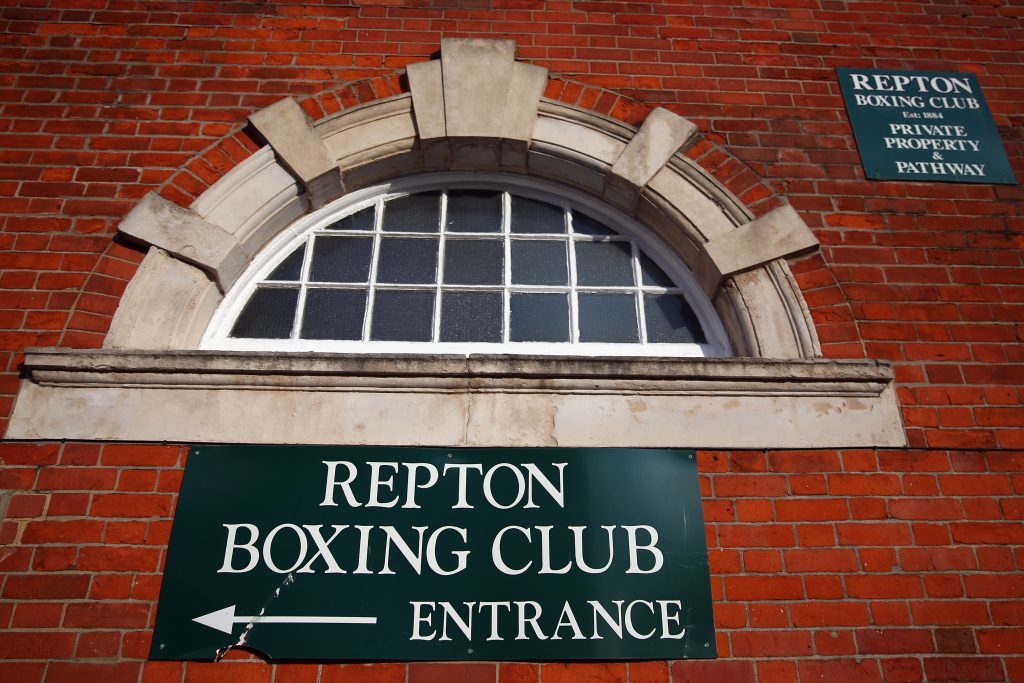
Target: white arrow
(224,619)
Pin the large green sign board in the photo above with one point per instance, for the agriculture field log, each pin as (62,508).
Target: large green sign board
(328,553)
(924,126)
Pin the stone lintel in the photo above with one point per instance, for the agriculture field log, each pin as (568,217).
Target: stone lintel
(775,235)
(183,233)
(286,128)
(194,397)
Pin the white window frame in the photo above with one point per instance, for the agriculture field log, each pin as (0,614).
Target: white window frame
(717,344)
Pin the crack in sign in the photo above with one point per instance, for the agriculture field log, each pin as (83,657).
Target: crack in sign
(222,652)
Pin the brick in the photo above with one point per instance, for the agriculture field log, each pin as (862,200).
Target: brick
(963,669)
(550,673)
(46,586)
(228,672)
(363,673)
(36,645)
(694,671)
(771,643)
(839,669)
(105,615)
(763,588)
(947,612)
(823,614)
(894,641)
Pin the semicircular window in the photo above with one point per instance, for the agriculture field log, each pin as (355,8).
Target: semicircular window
(464,270)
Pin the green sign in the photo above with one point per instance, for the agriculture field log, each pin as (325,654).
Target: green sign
(329,553)
(924,126)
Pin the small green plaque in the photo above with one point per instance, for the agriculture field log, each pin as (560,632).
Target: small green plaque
(407,554)
(924,126)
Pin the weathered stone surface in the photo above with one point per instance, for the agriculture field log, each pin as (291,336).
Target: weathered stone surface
(427,99)
(522,100)
(661,135)
(775,235)
(700,210)
(476,74)
(165,306)
(290,132)
(207,396)
(161,223)
(254,201)
(373,139)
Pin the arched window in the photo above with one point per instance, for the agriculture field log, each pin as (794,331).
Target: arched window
(468,263)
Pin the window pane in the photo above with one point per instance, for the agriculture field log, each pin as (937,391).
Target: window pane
(341,259)
(474,211)
(652,274)
(414,213)
(471,316)
(402,316)
(360,220)
(539,317)
(532,216)
(671,320)
(268,314)
(583,224)
(407,261)
(474,262)
(291,268)
(603,263)
(539,262)
(608,318)
(334,314)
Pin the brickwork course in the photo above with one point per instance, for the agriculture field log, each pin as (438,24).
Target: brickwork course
(837,565)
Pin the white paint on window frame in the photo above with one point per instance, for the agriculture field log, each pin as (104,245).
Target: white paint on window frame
(717,345)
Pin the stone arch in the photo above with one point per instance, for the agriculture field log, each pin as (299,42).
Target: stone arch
(474,109)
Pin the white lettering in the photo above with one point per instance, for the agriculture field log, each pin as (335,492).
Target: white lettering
(346,486)
(231,545)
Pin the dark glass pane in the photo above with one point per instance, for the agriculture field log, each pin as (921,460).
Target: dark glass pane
(471,316)
(290,268)
(414,213)
(603,263)
(402,316)
(583,224)
(334,314)
(268,314)
(360,220)
(474,211)
(539,262)
(539,317)
(671,320)
(341,259)
(474,262)
(532,216)
(608,318)
(405,260)
(652,274)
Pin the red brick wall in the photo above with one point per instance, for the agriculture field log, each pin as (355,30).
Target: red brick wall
(902,565)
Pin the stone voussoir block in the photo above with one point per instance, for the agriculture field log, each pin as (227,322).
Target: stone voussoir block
(777,234)
(285,126)
(183,233)
(661,136)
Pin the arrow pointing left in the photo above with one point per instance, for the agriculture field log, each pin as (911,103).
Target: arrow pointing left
(224,619)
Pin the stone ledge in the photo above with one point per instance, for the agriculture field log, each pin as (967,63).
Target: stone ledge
(208,396)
